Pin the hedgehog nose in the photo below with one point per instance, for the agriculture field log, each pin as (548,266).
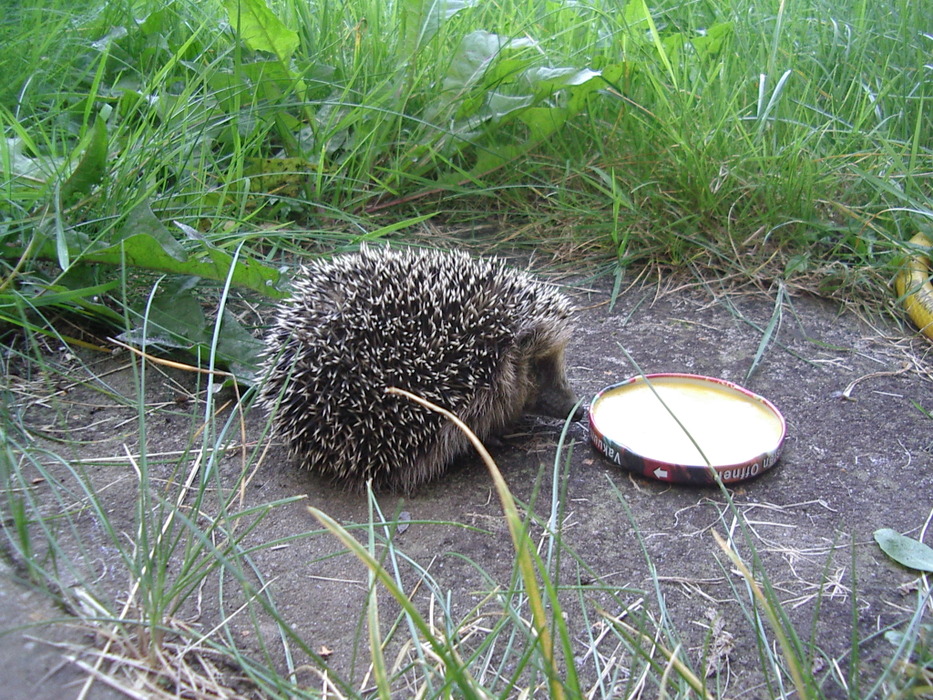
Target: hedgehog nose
(579,413)
(559,404)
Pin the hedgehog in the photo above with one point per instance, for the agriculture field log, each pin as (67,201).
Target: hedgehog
(472,335)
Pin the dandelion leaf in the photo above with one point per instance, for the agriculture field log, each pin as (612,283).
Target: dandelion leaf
(904,550)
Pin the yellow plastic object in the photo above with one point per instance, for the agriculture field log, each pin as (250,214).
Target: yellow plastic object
(914,288)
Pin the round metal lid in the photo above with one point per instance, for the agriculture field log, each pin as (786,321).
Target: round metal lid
(686,427)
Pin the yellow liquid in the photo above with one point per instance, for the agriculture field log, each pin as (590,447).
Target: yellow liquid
(729,427)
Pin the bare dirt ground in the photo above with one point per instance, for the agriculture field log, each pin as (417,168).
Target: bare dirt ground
(857,458)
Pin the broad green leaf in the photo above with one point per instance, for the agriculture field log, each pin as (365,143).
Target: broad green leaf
(506,69)
(58,228)
(552,79)
(422,18)
(268,79)
(441,11)
(610,75)
(797,264)
(144,251)
(177,320)
(156,23)
(271,78)
(14,164)
(142,220)
(475,58)
(495,156)
(282,176)
(499,106)
(900,637)
(633,15)
(673,47)
(175,310)
(260,29)
(59,295)
(711,43)
(239,349)
(638,10)
(90,169)
(544,121)
(904,550)
(476,51)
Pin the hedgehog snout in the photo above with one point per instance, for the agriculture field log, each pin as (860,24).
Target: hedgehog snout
(558,402)
(554,396)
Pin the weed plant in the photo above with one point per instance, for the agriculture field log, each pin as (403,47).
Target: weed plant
(776,138)
(153,149)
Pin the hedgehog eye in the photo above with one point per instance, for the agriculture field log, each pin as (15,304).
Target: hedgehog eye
(545,366)
(526,338)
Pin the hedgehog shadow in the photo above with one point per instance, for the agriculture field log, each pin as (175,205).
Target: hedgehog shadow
(510,449)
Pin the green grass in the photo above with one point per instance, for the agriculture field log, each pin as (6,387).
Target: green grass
(189,536)
(699,128)
(154,148)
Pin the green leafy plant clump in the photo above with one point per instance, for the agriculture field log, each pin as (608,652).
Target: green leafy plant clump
(174,138)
